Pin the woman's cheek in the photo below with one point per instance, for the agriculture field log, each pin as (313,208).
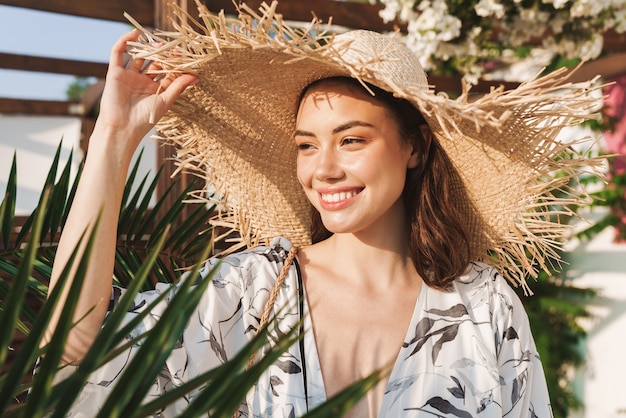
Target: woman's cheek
(302,171)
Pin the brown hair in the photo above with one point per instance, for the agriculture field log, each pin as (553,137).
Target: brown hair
(438,241)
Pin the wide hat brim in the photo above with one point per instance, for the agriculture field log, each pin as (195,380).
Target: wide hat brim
(235,127)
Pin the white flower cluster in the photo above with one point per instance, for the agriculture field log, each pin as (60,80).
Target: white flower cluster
(467,35)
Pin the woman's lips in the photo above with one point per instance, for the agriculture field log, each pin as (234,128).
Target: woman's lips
(334,200)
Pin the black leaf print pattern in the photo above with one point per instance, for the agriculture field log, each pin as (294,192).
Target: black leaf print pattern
(525,358)
(219,284)
(514,392)
(456,311)
(137,306)
(532,412)
(449,334)
(445,407)
(217,348)
(289,367)
(485,402)
(275,381)
(510,334)
(458,391)
(422,327)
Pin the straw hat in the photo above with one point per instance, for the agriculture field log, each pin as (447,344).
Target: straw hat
(235,129)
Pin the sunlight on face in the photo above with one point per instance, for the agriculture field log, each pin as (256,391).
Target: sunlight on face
(352,161)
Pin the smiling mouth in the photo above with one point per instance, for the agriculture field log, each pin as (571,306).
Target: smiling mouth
(339,196)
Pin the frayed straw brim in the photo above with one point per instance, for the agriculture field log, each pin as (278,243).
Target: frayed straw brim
(234,128)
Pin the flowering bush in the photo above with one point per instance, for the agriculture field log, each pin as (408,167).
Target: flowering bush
(465,36)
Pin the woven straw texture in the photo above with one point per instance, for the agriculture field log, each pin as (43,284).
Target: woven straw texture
(234,128)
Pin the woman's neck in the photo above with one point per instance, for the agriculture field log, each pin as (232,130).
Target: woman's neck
(379,262)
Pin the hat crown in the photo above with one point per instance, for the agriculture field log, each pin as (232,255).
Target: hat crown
(381,59)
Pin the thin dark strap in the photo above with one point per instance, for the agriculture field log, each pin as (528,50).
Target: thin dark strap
(301,342)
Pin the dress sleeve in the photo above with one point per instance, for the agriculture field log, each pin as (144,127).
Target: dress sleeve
(523,383)
(216,329)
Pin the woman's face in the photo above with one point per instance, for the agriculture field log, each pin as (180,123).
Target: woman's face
(352,161)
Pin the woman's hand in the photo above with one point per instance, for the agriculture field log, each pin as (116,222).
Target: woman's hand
(131,96)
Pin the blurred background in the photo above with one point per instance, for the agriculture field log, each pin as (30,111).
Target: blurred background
(53,61)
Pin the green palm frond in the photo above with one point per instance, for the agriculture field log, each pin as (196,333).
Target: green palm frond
(7,207)
(12,305)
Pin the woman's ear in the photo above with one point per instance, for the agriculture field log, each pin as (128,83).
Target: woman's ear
(419,152)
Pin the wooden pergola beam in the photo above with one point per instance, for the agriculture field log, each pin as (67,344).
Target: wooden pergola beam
(345,13)
(52,65)
(614,42)
(349,14)
(39,107)
(142,10)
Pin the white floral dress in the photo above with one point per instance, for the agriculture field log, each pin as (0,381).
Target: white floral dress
(468,352)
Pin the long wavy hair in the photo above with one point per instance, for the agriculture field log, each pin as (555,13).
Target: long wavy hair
(438,241)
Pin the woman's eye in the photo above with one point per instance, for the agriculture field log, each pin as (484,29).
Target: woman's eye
(304,146)
(350,141)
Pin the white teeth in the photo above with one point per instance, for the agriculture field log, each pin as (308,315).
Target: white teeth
(336,197)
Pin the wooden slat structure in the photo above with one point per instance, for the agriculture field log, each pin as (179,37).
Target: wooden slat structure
(153,13)
(142,10)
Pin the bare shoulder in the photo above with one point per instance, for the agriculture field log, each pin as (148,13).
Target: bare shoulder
(315,259)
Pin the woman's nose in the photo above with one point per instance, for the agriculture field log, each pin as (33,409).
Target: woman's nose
(328,165)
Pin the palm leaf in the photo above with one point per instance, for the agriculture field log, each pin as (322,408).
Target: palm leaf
(29,351)
(12,307)
(220,398)
(7,207)
(41,390)
(149,360)
(43,203)
(107,339)
(57,202)
(214,380)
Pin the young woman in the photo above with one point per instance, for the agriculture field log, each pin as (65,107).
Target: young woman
(384,199)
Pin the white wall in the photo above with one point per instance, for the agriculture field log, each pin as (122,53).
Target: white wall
(599,383)
(34,139)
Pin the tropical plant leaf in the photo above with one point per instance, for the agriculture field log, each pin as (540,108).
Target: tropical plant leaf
(161,340)
(7,207)
(42,205)
(105,342)
(57,202)
(29,351)
(41,390)
(12,307)
(27,314)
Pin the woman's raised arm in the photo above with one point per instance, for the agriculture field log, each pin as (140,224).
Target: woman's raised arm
(128,99)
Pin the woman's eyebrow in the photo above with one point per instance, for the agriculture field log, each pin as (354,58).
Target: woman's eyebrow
(340,128)
(351,124)
(300,132)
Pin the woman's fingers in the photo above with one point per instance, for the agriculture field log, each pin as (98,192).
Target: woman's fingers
(138,80)
(135,64)
(172,89)
(117,51)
